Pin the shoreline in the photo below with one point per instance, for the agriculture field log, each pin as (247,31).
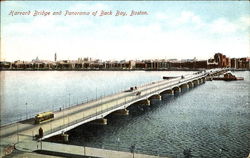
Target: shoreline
(202,69)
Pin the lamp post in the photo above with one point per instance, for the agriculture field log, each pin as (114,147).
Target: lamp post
(63,115)
(118,141)
(26,111)
(17,132)
(69,99)
(96,93)
(220,152)
(68,109)
(132,150)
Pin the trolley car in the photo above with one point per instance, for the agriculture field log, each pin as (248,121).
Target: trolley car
(42,117)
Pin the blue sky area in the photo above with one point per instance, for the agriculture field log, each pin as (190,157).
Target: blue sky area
(172,29)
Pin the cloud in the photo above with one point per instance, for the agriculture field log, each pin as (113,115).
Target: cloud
(161,16)
(89,7)
(223,26)
(188,17)
(190,21)
(185,35)
(244,23)
(229,27)
(13,4)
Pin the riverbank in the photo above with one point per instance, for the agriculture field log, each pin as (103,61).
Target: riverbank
(101,69)
(169,69)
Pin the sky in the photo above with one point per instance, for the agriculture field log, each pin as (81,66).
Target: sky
(170,30)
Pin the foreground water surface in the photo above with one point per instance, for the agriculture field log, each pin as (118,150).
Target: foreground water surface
(211,120)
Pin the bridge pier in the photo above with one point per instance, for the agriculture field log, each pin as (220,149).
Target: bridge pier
(101,121)
(201,81)
(168,92)
(190,84)
(155,97)
(122,112)
(143,102)
(204,80)
(196,82)
(209,78)
(63,137)
(177,90)
(184,87)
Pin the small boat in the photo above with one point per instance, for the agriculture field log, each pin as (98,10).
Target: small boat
(167,78)
(228,76)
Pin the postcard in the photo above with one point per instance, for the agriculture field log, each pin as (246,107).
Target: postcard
(125,79)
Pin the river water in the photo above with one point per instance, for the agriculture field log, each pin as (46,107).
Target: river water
(211,120)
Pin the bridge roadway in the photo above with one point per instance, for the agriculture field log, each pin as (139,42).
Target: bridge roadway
(69,118)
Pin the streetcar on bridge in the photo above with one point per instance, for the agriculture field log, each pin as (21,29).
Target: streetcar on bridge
(43,117)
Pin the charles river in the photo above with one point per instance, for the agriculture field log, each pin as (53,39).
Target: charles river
(211,120)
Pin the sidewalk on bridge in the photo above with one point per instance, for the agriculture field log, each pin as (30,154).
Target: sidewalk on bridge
(30,146)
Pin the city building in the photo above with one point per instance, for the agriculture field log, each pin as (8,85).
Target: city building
(218,61)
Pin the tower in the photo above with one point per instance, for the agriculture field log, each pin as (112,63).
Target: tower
(55,57)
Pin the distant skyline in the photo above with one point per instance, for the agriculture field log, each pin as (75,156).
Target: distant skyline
(182,30)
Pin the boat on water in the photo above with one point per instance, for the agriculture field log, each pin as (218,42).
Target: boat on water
(168,77)
(228,76)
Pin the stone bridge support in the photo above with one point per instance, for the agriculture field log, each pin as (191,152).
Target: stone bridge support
(101,121)
(63,137)
(184,86)
(190,84)
(143,102)
(177,89)
(209,78)
(196,82)
(203,80)
(200,82)
(122,112)
(155,97)
(168,92)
